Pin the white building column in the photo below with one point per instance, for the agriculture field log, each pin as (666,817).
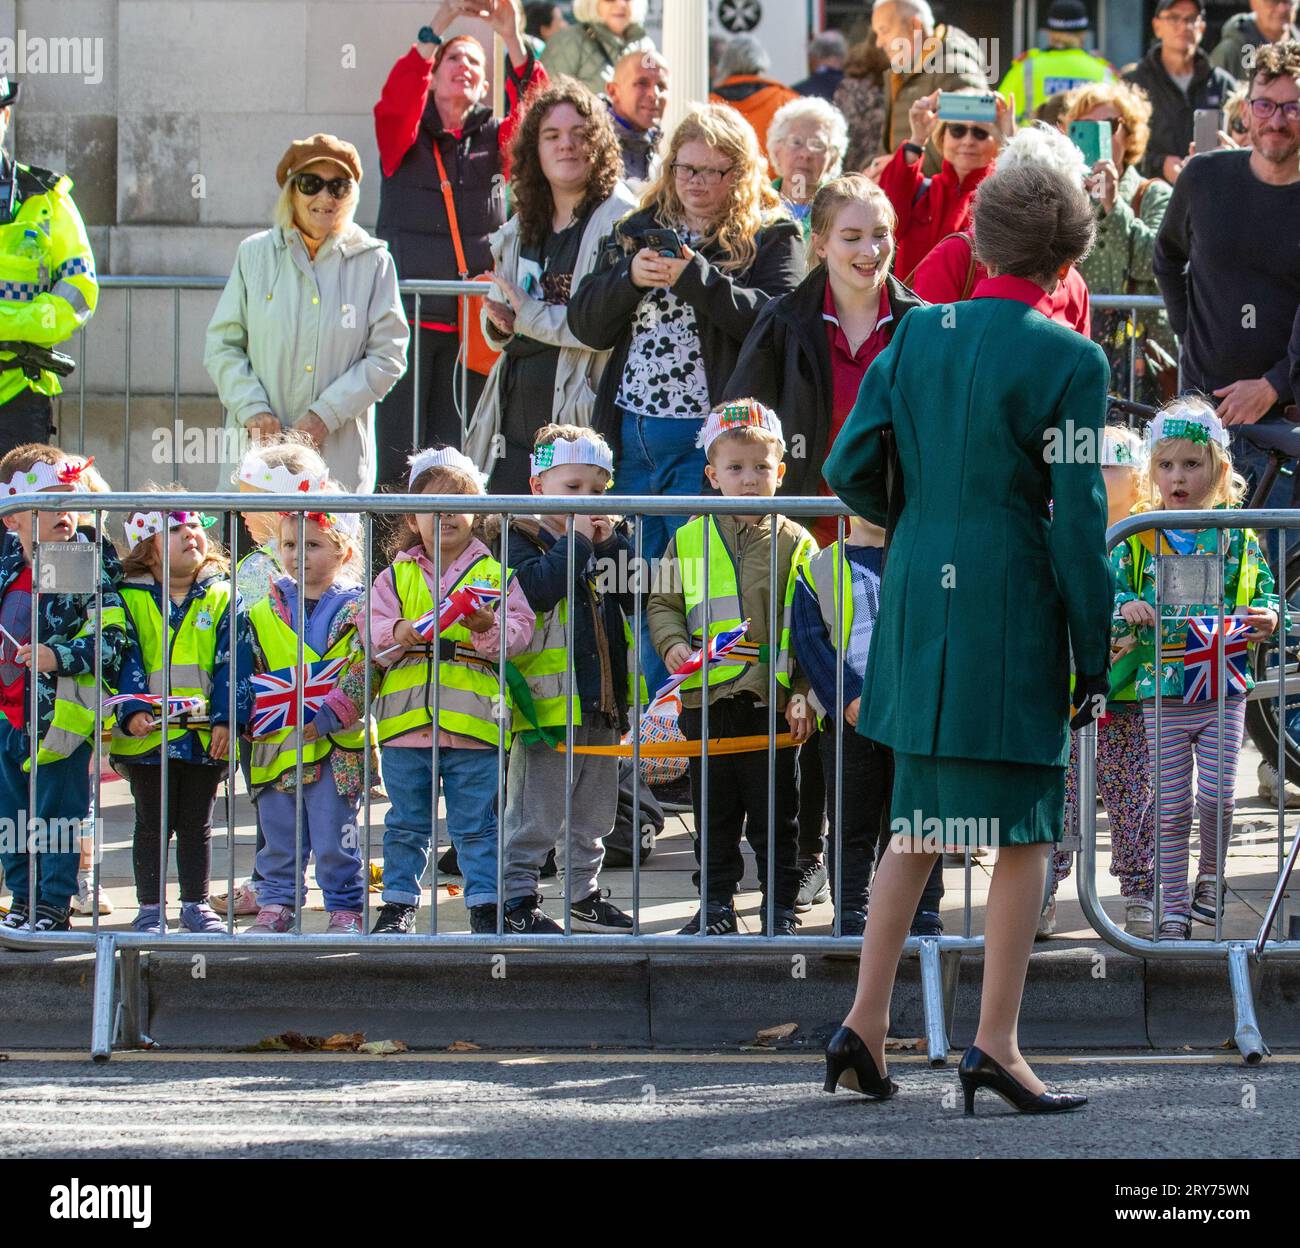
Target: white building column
(686,49)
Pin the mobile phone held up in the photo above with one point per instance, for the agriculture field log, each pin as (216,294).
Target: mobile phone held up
(1093,139)
(1206,124)
(665,242)
(981,108)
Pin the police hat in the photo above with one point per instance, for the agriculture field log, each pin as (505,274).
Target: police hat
(8,91)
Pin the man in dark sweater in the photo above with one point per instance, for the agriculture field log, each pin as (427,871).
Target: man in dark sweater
(1228,262)
(1178,76)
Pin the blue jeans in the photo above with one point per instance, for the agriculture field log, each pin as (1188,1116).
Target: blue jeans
(659,456)
(469,787)
(329,831)
(62,799)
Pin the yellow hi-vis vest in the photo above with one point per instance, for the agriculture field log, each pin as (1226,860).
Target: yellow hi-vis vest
(831,581)
(468,686)
(276,754)
(192,659)
(726,611)
(543,665)
(1037,75)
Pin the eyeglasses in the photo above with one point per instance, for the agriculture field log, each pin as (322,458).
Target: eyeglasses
(311,183)
(818,147)
(1175,20)
(706,175)
(1264,109)
(959,130)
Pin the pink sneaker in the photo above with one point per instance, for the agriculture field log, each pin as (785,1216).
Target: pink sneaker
(272,919)
(345,922)
(245,901)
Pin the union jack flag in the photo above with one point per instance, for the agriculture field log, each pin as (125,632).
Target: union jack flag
(275,704)
(1201,658)
(179,704)
(454,608)
(719,647)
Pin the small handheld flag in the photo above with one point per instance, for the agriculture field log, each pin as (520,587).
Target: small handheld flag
(719,647)
(275,703)
(1201,659)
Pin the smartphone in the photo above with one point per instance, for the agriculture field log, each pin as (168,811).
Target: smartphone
(1092,138)
(1206,124)
(665,242)
(981,109)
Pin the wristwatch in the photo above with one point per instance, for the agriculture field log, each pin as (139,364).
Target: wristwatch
(426,35)
(909,146)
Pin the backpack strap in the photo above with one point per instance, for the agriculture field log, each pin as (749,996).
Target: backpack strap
(1140,194)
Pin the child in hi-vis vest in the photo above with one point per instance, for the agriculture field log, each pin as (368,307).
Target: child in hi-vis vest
(471,713)
(331,744)
(745,450)
(567,461)
(63,655)
(198,600)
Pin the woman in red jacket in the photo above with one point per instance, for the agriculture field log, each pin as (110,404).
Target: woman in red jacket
(930,208)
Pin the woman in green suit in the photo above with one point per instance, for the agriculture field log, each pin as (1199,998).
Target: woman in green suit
(996,413)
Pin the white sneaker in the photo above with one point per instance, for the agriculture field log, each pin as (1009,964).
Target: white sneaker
(1047,920)
(82,904)
(1138,917)
(1266,775)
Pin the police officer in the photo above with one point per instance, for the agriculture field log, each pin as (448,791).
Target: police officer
(48,289)
(1039,74)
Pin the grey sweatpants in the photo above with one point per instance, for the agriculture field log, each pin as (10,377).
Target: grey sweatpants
(534,822)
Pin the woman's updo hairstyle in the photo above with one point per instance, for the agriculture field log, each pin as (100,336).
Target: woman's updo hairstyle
(1030,222)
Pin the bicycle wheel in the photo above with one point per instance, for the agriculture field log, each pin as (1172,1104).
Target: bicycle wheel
(1262,708)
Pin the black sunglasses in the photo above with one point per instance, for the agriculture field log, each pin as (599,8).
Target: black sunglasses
(310,184)
(959,130)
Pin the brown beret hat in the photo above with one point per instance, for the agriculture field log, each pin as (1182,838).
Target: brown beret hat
(330,147)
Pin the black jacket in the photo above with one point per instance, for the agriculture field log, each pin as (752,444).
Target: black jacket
(1172,112)
(603,308)
(786,363)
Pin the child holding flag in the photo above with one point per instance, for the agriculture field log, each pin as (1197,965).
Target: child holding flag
(1190,469)
(333,734)
(63,657)
(413,610)
(745,449)
(566,461)
(198,598)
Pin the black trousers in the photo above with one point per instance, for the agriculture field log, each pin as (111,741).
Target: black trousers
(27,417)
(867,787)
(191,791)
(397,434)
(812,799)
(738,803)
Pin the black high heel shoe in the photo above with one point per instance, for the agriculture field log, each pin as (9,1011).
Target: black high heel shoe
(979,1070)
(848,1063)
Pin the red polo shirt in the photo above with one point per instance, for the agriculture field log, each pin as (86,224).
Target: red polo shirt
(848,367)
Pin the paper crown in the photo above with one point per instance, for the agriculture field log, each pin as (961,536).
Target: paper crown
(142,525)
(593,451)
(1194,424)
(745,414)
(1116,453)
(277,478)
(443,457)
(348,522)
(43,476)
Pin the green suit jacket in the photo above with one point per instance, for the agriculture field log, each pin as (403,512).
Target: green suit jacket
(985,592)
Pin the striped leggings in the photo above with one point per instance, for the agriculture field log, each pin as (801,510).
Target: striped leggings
(1188,732)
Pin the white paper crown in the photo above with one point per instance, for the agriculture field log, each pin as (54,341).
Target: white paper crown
(142,525)
(278,478)
(443,457)
(348,522)
(592,451)
(1196,424)
(43,476)
(1116,451)
(743,414)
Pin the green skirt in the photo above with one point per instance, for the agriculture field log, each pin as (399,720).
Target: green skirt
(955,803)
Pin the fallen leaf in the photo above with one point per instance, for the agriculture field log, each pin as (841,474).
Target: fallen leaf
(454,890)
(922,1045)
(773,1035)
(462,1046)
(297,1043)
(383,1047)
(345,1041)
(272,1043)
(903,1045)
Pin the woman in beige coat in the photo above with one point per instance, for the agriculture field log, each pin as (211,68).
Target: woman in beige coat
(309,332)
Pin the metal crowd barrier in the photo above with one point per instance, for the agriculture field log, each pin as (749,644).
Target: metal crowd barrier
(118,985)
(1179,581)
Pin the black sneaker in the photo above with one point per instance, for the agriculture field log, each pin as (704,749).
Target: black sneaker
(814,886)
(394,919)
(595,914)
(50,919)
(483,918)
(549,870)
(449,864)
(722,922)
(853,923)
(675,796)
(17,916)
(785,923)
(525,917)
(927,923)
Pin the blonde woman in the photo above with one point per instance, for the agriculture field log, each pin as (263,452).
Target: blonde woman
(678,287)
(309,332)
(806,143)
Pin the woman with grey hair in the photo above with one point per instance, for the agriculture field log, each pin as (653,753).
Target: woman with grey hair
(986,593)
(309,332)
(604,31)
(747,89)
(806,143)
